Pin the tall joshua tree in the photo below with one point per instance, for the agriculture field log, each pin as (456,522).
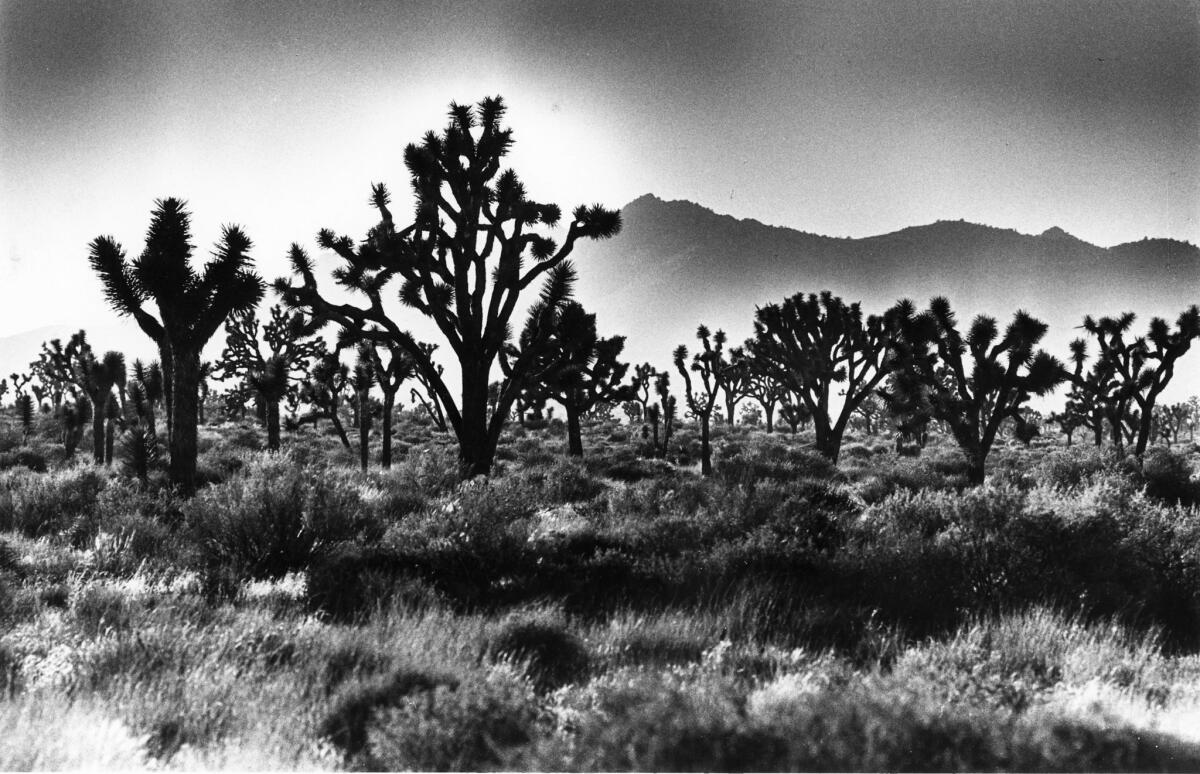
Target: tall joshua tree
(581,369)
(701,395)
(468,254)
(810,344)
(976,382)
(192,305)
(289,348)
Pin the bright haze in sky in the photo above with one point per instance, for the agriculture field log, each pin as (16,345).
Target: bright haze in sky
(841,118)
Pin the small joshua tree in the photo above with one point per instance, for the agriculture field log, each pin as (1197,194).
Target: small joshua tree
(389,376)
(701,395)
(98,379)
(323,391)
(578,369)
(191,305)
(25,413)
(272,373)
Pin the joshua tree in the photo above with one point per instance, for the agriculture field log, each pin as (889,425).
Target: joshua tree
(323,391)
(290,347)
(389,377)
(812,343)
(794,412)
(700,402)
(764,388)
(977,382)
(736,381)
(871,410)
(1131,373)
(73,417)
(25,414)
(20,382)
(643,385)
(191,307)
(362,380)
(55,367)
(578,369)
(665,412)
(148,380)
(461,263)
(98,379)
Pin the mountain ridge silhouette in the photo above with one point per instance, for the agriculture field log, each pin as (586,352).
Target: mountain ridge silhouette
(677,264)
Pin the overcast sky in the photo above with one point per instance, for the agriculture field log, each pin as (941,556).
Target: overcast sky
(841,118)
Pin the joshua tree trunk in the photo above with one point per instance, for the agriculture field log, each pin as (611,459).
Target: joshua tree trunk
(574,432)
(185,399)
(706,468)
(272,425)
(109,433)
(730,407)
(98,434)
(389,404)
(364,430)
(336,421)
(769,412)
(473,436)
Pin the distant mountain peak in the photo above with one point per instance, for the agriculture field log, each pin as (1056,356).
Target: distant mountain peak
(1054,232)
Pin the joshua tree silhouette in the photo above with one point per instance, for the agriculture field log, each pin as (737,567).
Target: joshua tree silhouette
(579,370)
(1130,373)
(469,216)
(976,393)
(701,400)
(290,347)
(812,343)
(98,379)
(191,307)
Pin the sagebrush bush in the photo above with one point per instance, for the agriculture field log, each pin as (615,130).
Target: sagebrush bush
(1069,468)
(483,723)
(1168,477)
(345,724)
(272,520)
(46,504)
(541,643)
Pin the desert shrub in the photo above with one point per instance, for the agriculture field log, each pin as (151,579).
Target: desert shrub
(1069,468)
(540,643)
(345,725)
(855,451)
(567,480)
(350,581)
(98,608)
(1168,477)
(631,720)
(45,504)
(273,520)
(931,473)
(482,724)
(745,465)
(27,458)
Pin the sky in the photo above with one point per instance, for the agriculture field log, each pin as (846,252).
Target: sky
(841,118)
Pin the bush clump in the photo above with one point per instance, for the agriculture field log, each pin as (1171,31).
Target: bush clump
(551,655)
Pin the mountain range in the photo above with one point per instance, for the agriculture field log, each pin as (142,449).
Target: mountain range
(676,264)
